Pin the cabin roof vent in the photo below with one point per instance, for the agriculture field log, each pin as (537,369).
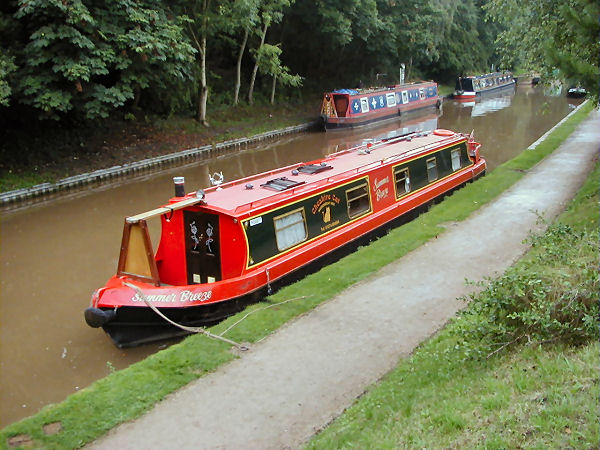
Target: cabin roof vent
(314,168)
(281,184)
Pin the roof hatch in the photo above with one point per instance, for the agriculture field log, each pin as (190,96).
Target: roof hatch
(314,168)
(281,184)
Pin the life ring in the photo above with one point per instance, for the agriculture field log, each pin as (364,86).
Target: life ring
(442,132)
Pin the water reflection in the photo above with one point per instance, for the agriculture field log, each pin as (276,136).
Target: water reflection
(54,254)
(337,141)
(482,106)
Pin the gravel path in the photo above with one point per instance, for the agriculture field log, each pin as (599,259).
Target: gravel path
(285,388)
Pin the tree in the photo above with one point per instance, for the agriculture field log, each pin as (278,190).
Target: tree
(340,40)
(6,68)
(242,16)
(549,35)
(205,24)
(458,47)
(271,11)
(91,57)
(270,64)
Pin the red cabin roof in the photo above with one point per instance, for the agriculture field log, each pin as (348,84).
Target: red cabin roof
(235,198)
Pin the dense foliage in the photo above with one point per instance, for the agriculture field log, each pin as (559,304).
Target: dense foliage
(550,297)
(92,57)
(86,59)
(557,38)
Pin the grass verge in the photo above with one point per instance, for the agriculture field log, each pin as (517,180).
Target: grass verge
(126,394)
(533,396)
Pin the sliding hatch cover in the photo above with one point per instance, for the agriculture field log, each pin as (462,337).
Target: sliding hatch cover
(202,249)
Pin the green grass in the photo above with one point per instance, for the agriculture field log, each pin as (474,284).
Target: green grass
(533,397)
(537,398)
(11,181)
(244,120)
(126,394)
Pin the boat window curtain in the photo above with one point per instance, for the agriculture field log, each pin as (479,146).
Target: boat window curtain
(290,230)
(402,182)
(431,170)
(455,160)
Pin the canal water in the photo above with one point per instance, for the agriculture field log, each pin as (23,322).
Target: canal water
(54,254)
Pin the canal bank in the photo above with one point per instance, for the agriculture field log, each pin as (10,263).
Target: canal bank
(146,166)
(98,408)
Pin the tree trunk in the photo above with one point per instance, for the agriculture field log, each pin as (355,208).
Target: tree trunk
(136,99)
(238,79)
(201,47)
(273,90)
(255,70)
(203,97)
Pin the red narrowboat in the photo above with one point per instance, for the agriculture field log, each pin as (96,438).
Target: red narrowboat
(468,88)
(225,246)
(352,108)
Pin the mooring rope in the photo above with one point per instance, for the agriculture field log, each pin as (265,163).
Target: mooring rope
(262,309)
(199,330)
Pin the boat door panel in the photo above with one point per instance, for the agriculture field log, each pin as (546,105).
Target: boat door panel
(341,105)
(202,247)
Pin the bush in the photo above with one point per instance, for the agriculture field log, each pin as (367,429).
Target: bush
(551,297)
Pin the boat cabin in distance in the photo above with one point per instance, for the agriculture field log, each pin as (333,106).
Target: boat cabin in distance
(468,88)
(351,108)
(223,247)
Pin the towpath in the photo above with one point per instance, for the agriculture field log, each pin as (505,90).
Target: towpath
(285,388)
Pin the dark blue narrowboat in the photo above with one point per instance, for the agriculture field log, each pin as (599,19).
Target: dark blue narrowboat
(470,87)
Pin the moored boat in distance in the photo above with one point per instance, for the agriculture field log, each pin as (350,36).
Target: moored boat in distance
(224,247)
(352,108)
(468,88)
(576,92)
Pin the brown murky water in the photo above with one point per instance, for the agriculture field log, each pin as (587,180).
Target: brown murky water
(54,254)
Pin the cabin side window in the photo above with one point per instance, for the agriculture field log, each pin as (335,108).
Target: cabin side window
(402,179)
(290,229)
(432,172)
(391,99)
(455,156)
(358,200)
(364,105)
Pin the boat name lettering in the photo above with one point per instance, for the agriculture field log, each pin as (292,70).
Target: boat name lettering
(256,221)
(189,296)
(155,298)
(381,193)
(379,183)
(182,297)
(325,200)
